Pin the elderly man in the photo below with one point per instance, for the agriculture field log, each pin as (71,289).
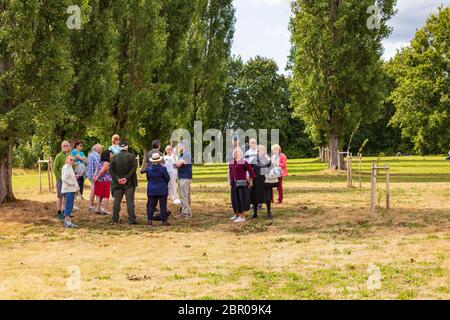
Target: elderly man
(60,160)
(124,182)
(92,163)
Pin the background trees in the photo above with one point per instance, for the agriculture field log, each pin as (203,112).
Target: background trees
(337,68)
(421,96)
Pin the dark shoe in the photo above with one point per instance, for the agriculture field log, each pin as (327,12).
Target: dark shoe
(254,216)
(114,222)
(133,222)
(149,224)
(60,216)
(269,216)
(166,224)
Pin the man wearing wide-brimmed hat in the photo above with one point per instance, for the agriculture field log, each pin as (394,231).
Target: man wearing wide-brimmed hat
(157,189)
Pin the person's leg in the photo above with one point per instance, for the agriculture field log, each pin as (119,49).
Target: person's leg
(280,189)
(59,196)
(151,205)
(99,205)
(129,194)
(189,195)
(118,195)
(68,208)
(255,209)
(269,211)
(92,196)
(184,198)
(163,208)
(81,185)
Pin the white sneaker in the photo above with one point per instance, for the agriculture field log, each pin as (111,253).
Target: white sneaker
(177,202)
(239,219)
(233,218)
(75,208)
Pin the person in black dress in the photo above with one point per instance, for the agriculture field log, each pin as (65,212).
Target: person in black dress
(261,192)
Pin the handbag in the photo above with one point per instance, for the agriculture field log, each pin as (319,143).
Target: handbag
(239,183)
(272,177)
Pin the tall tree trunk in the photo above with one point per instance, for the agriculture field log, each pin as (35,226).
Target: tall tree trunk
(335,157)
(6,188)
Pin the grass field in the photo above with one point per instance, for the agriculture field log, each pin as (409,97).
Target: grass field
(319,246)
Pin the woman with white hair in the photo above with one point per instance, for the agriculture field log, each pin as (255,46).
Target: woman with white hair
(280,161)
(240,183)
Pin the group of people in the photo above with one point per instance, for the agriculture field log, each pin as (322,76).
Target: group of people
(112,172)
(252,175)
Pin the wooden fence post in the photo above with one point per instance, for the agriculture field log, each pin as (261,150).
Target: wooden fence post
(373,188)
(40,176)
(360,178)
(49,177)
(50,163)
(388,187)
(339,159)
(349,170)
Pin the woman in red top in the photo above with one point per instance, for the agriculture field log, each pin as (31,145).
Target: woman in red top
(240,183)
(280,159)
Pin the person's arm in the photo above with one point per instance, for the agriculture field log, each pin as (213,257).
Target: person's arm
(250,170)
(105,168)
(282,162)
(166,174)
(82,157)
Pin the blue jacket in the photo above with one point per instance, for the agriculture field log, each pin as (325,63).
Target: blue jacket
(158,178)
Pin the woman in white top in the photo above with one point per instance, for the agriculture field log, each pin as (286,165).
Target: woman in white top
(69,187)
(169,163)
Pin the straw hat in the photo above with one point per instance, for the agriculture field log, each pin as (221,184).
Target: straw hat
(156,158)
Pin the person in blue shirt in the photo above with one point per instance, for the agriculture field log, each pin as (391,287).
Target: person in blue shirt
(157,189)
(184,165)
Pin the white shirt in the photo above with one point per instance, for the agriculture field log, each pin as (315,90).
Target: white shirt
(169,162)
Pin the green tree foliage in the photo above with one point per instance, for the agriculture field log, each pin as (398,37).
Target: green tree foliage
(421,97)
(337,67)
(257,96)
(35,73)
(210,40)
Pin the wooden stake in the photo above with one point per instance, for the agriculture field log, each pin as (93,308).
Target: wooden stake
(373,187)
(388,187)
(360,179)
(48,177)
(339,160)
(349,171)
(138,162)
(40,177)
(50,165)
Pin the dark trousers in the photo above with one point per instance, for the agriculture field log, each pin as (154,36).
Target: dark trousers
(81,184)
(269,195)
(152,202)
(118,196)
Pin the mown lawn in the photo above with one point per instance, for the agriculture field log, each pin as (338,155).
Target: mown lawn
(319,246)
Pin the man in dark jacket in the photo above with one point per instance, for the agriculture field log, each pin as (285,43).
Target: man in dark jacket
(157,190)
(124,182)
